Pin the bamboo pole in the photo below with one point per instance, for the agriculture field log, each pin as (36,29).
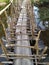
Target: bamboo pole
(6,7)
(20,56)
(36,45)
(6,14)
(8,62)
(3,48)
(13,45)
(3,55)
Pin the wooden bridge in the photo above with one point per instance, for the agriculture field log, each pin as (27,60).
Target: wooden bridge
(20,34)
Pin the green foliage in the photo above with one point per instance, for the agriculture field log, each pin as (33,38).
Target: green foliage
(32,1)
(41,1)
(3,18)
(7,1)
(4,1)
(44,13)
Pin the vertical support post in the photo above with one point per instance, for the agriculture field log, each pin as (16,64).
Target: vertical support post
(36,45)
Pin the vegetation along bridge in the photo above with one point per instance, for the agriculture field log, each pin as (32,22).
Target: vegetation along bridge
(21,46)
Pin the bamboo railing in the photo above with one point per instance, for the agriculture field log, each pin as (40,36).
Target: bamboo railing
(14,56)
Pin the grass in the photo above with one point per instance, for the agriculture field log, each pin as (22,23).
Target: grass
(44,13)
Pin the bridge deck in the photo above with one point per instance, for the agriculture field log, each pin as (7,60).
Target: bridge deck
(22,20)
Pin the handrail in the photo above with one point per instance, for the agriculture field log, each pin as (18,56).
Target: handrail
(6,7)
